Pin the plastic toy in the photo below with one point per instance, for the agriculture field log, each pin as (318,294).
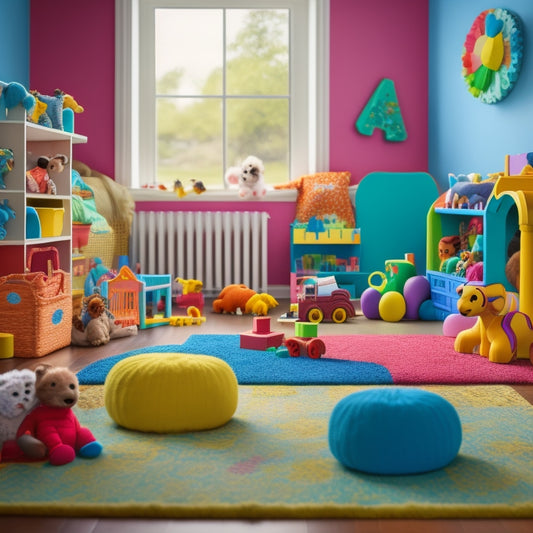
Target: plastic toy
(5,214)
(305,341)
(500,337)
(394,306)
(397,272)
(334,307)
(193,318)
(448,248)
(239,297)
(191,294)
(130,298)
(7,162)
(53,421)
(261,337)
(248,178)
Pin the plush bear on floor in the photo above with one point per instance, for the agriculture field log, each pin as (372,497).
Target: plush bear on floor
(53,422)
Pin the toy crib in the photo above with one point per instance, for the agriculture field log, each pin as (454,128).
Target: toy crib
(144,300)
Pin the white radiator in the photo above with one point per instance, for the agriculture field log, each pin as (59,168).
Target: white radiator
(217,248)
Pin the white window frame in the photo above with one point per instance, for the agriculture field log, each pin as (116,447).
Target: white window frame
(309,119)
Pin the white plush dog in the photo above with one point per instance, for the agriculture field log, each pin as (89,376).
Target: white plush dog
(17,399)
(248,178)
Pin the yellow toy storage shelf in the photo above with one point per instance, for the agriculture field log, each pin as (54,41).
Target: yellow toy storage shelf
(330,236)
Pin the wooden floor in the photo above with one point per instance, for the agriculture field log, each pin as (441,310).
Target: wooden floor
(77,358)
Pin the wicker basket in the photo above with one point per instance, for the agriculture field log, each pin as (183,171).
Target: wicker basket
(37,310)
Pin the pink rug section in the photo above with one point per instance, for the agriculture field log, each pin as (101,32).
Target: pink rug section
(425,359)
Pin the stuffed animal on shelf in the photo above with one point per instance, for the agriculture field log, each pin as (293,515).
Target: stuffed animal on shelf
(69,102)
(39,179)
(17,399)
(38,114)
(248,178)
(239,297)
(13,94)
(5,214)
(53,422)
(7,162)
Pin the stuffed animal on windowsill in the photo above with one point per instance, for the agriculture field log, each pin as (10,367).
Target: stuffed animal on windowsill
(247,178)
(39,178)
(52,423)
(239,298)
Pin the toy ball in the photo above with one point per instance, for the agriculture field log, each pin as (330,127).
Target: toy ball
(416,290)
(455,323)
(392,306)
(370,303)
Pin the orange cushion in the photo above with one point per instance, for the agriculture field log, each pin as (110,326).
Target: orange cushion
(323,195)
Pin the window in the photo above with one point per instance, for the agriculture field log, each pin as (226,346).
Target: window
(203,84)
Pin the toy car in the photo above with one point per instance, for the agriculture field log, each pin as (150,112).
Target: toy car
(313,347)
(335,307)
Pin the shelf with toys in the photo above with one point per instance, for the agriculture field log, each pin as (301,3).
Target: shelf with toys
(321,251)
(35,192)
(468,244)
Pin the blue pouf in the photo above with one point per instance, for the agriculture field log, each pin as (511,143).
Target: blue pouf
(394,431)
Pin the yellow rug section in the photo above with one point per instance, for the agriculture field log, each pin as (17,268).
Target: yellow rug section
(272,460)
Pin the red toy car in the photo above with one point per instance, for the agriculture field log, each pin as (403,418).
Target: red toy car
(336,307)
(313,347)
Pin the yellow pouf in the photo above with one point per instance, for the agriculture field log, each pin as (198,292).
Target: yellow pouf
(7,345)
(171,393)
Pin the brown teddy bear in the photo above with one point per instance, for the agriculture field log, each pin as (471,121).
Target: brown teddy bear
(39,179)
(53,422)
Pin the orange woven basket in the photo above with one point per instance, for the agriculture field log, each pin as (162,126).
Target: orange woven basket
(37,310)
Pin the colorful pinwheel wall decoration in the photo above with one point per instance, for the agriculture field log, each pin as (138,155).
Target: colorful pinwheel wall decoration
(492,55)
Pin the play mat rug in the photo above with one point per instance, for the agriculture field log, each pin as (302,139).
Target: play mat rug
(349,359)
(272,460)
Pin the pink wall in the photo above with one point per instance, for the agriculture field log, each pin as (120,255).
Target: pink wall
(369,41)
(72,47)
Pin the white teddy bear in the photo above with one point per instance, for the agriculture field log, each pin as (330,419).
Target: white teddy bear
(248,178)
(17,399)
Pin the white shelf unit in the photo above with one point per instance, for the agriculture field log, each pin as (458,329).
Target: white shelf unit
(28,142)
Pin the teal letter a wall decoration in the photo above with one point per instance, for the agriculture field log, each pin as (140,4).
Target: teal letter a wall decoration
(383,111)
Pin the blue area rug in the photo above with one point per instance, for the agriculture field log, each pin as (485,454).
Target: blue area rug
(253,367)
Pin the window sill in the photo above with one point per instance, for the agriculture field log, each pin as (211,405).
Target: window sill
(219,195)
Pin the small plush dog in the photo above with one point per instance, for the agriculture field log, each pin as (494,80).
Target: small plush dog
(97,329)
(248,178)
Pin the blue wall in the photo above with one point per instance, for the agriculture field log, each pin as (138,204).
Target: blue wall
(15,41)
(466,135)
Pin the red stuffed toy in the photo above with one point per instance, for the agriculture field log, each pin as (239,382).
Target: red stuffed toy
(52,423)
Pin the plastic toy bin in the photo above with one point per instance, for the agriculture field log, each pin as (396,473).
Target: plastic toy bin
(51,220)
(37,310)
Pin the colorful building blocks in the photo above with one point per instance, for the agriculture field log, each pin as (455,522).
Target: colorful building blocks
(261,338)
